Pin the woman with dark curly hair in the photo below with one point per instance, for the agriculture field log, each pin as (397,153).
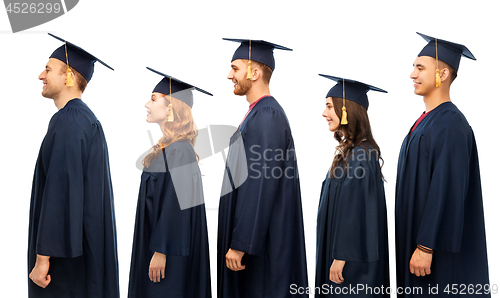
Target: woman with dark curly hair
(352,248)
(170,255)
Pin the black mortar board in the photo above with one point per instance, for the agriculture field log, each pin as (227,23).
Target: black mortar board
(256,50)
(176,88)
(447,51)
(353,90)
(81,60)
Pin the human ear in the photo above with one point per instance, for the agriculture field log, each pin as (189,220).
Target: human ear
(256,74)
(445,74)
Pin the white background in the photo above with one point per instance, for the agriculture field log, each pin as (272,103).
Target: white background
(370,41)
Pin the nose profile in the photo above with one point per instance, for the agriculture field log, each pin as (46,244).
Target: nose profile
(413,74)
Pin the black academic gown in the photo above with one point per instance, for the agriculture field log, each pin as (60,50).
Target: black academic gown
(161,226)
(263,216)
(439,205)
(72,211)
(352,226)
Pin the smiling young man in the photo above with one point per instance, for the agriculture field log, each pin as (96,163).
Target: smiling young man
(440,234)
(260,245)
(72,239)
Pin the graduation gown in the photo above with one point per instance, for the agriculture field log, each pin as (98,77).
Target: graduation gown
(263,216)
(72,211)
(162,226)
(439,204)
(352,226)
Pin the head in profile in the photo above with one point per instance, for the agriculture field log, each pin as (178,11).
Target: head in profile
(346,113)
(252,66)
(67,72)
(436,67)
(170,107)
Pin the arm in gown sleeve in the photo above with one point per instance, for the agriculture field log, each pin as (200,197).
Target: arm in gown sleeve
(358,213)
(172,231)
(443,217)
(61,215)
(265,139)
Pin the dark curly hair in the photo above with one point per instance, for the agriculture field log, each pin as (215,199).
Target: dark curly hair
(356,133)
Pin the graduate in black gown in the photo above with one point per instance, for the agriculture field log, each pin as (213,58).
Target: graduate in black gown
(260,244)
(440,233)
(72,234)
(170,255)
(352,244)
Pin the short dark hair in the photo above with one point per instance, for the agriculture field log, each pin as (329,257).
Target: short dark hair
(453,71)
(267,72)
(80,81)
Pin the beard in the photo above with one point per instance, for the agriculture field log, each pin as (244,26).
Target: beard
(242,87)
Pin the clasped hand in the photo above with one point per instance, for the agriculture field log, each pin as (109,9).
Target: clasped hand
(233,259)
(420,263)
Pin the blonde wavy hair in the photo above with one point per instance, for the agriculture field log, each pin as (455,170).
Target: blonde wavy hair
(182,128)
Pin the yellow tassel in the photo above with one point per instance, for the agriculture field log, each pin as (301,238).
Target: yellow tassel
(170,114)
(438,78)
(344,117)
(69,78)
(249,70)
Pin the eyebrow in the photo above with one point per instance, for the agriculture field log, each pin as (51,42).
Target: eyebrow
(234,66)
(419,65)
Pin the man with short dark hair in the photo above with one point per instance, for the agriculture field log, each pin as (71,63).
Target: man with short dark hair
(72,234)
(260,245)
(440,234)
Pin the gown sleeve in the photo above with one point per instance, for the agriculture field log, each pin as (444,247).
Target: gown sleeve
(443,216)
(60,225)
(171,233)
(358,213)
(265,139)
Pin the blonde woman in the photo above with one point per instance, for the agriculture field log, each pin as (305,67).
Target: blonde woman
(170,255)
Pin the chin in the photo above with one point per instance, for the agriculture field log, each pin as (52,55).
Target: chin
(334,129)
(419,91)
(237,91)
